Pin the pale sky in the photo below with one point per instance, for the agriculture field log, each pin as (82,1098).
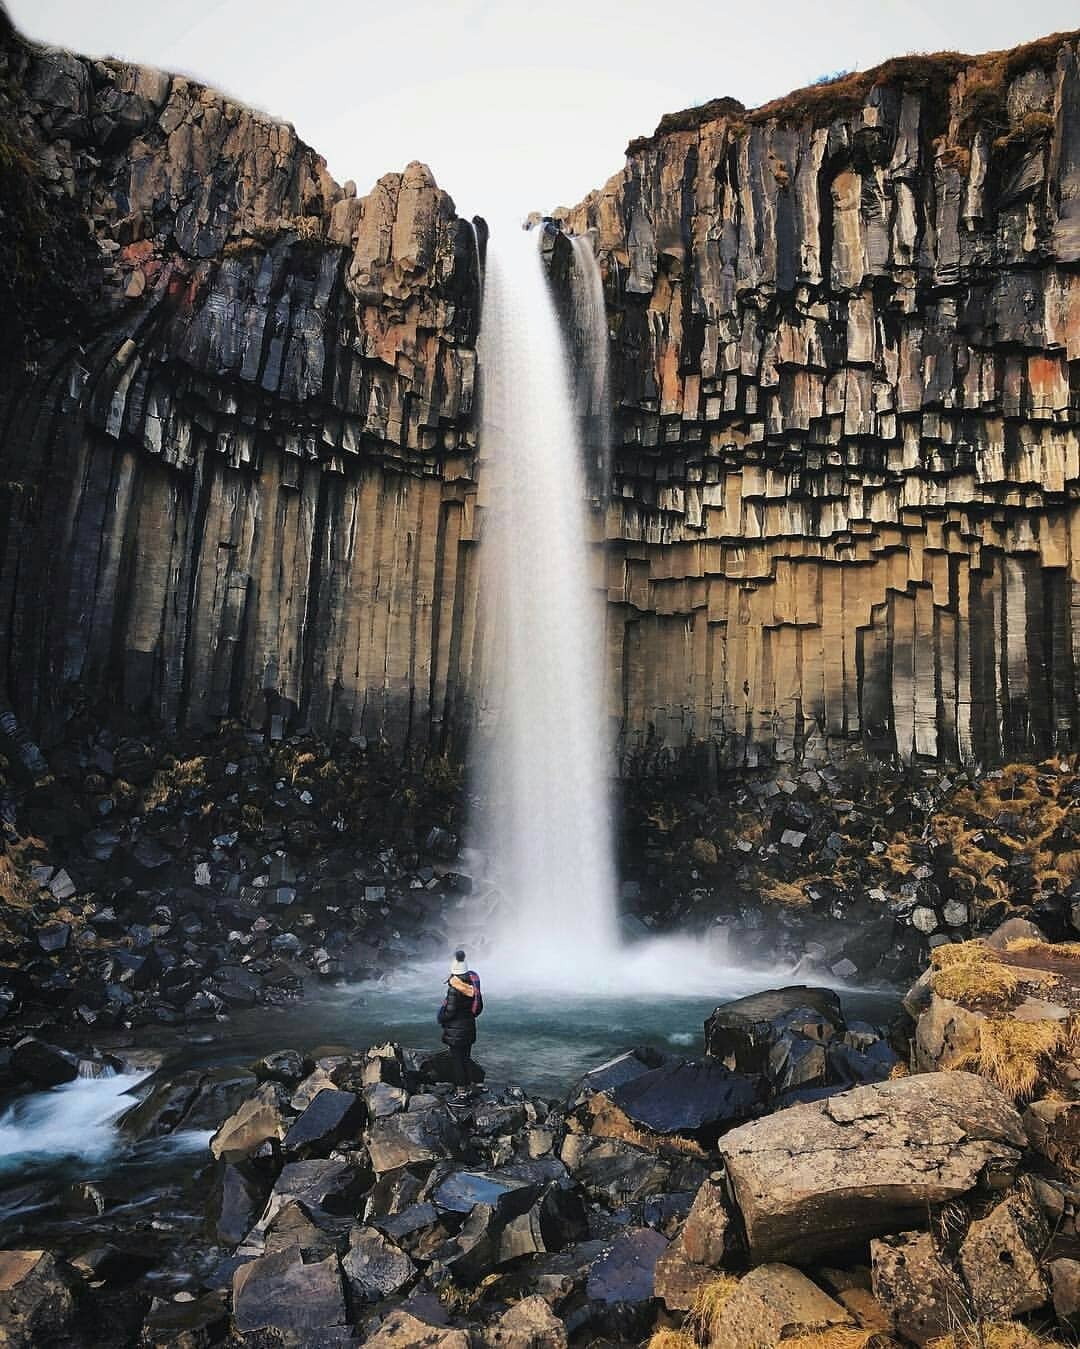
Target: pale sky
(523,104)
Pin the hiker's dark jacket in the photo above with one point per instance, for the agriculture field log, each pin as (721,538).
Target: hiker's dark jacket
(459,1024)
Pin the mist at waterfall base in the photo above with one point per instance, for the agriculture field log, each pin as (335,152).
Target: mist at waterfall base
(547,834)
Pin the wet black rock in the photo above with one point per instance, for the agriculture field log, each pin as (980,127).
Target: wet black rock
(621,1284)
(241,1198)
(690,1098)
(43,1064)
(742,1033)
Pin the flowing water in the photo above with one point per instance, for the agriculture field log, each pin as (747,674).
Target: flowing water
(589,342)
(551,837)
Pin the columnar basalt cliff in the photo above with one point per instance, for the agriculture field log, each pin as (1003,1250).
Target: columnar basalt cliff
(239,453)
(846,347)
(237,467)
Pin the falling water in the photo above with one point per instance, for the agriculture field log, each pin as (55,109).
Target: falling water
(550,826)
(590,346)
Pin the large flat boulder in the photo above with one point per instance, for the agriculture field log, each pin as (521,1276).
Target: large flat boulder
(295,1302)
(822,1176)
(688,1097)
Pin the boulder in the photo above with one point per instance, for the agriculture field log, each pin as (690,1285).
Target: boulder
(508,1195)
(615,1073)
(1000,1257)
(774,1303)
(528,1324)
(400,1330)
(689,1098)
(331,1118)
(946,1035)
(285,1066)
(741,1033)
(324,1187)
(36,1302)
(552,1223)
(258,1119)
(411,1137)
(374,1267)
(43,1064)
(828,1174)
(921,1294)
(294,1302)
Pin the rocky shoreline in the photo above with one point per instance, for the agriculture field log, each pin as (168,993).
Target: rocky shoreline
(801,1183)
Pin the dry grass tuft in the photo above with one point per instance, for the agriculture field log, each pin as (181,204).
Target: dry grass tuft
(993,1335)
(709,1302)
(839,1337)
(184,773)
(972,974)
(672,1339)
(784,892)
(1015,1054)
(1064,950)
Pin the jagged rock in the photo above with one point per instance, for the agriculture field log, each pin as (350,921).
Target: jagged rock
(256,1121)
(279,1294)
(921,1293)
(198,1324)
(622,1284)
(243,1197)
(824,1175)
(707,1235)
(528,1324)
(414,1136)
(677,1278)
(323,1187)
(742,1033)
(285,1066)
(1053,1129)
(617,1170)
(332,1117)
(774,1303)
(36,1303)
(374,1267)
(553,1222)
(1000,1258)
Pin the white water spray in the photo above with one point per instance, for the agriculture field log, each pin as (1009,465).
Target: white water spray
(550,818)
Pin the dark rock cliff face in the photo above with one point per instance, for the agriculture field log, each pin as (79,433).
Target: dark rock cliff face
(239,471)
(235,482)
(846,364)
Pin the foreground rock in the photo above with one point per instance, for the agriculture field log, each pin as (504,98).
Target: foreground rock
(827,1175)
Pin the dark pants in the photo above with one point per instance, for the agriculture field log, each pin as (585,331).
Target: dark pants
(459,1062)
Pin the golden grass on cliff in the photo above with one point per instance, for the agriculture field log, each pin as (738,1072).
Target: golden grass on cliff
(1063,950)
(1013,1054)
(709,1302)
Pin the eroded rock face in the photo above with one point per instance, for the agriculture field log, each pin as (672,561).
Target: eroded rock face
(819,1177)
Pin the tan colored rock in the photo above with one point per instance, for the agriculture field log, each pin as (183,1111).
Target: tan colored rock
(1053,1129)
(820,1176)
(528,1324)
(774,1303)
(707,1232)
(1065,1282)
(678,1278)
(258,1119)
(1000,1258)
(946,1035)
(402,1331)
(920,1292)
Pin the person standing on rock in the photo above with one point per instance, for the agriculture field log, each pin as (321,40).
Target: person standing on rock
(457,1016)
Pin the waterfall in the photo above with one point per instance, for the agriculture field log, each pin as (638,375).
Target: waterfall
(589,337)
(549,828)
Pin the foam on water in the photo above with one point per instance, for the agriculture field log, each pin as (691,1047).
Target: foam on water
(75,1120)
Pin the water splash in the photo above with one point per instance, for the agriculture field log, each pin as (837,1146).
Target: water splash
(550,829)
(72,1121)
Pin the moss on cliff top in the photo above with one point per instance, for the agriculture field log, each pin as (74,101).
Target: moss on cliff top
(929,73)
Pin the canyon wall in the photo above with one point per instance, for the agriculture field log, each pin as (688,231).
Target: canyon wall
(236,445)
(845,335)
